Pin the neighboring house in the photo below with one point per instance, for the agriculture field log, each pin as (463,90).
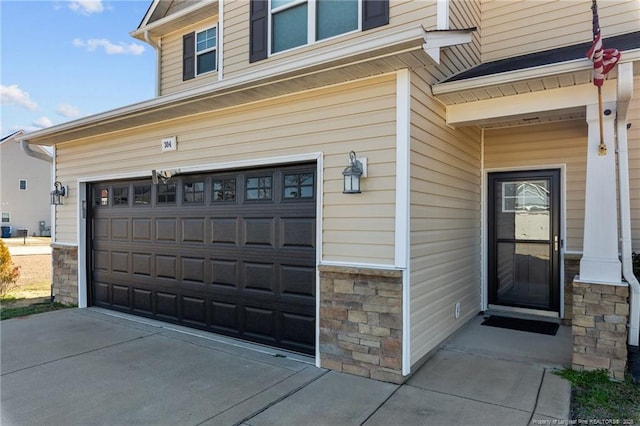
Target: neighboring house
(219,204)
(25,184)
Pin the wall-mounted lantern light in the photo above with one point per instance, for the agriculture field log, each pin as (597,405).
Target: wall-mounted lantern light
(58,193)
(352,175)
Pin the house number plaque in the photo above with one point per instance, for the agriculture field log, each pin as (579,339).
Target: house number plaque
(169,144)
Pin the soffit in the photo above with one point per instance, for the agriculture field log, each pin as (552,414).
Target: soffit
(407,54)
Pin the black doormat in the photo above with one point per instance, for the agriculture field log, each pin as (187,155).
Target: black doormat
(531,326)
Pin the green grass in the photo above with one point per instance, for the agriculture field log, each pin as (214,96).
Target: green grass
(594,396)
(35,308)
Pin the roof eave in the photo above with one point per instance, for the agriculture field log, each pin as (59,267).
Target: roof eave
(525,74)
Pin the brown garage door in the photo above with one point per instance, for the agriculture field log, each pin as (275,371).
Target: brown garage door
(232,253)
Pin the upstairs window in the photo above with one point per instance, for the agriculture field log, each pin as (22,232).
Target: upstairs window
(22,184)
(199,53)
(298,22)
(279,25)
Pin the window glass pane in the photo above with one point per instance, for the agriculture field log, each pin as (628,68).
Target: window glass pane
(277,3)
(121,196)
(259,188)
(142,195)
(224,190)
(6,217)
(22,184)
(206,62)
(289,28)
(166,193)
(102,197)
(335,17)
(206,39)
(193,192)
(298,185)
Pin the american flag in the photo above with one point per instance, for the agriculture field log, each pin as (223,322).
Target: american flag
(603,59)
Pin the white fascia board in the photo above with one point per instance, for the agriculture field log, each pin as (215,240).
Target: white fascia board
(436,40)
(139,32)
(357,47)
(471,113)
(525,74)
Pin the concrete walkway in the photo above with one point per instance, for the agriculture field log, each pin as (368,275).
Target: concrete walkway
(19,246)
(90,366)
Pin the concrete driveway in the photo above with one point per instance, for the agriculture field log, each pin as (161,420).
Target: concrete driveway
(90,367)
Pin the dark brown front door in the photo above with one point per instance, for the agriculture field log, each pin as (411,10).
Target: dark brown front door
(524,239)
(233,252)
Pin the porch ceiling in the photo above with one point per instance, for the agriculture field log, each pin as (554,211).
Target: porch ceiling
(529,77)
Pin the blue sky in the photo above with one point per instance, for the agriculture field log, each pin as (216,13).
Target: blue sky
(66,59)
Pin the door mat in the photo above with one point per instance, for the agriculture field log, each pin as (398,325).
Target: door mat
(531,326)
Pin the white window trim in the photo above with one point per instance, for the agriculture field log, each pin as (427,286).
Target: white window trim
(196,53)
(311,25)
(20,184)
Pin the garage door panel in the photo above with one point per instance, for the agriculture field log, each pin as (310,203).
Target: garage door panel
(193,269)
(297,232)
(259,231)
(193,230)
(141,264)
(298,329)
(120,262)
(244,268)
(142,230)
(224,231)
(120,296)
(298,280)
(224,272)
(167,230)
(194,310)
(259,276)
(166,266)
(259,323)
(120,229)
(167,305)
(143,301)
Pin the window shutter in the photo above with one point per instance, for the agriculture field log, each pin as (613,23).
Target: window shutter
(375,13)
(258,30)
(188,56)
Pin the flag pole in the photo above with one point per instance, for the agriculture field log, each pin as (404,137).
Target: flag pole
(602,148)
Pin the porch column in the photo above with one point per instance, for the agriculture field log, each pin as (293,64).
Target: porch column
(599,263)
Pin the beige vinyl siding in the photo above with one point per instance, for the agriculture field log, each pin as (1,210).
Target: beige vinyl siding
(171,63)
(634,163)
(405,13)
(541,146)
(518,27)
(359,116)
(445,221)
(463,15)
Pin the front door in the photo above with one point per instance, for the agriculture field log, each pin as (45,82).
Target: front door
(524,240)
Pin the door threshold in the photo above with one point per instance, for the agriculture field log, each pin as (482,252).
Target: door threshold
(522,313)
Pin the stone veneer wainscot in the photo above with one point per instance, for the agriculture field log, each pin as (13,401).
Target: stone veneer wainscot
(65,273)
(361,322)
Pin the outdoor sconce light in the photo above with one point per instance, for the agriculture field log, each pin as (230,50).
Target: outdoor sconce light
(352,175)
(58,193)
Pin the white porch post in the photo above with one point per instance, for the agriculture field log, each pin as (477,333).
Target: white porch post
(599,263)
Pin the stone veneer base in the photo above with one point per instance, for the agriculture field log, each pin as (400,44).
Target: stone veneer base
(599,326)
(65,273)
(361,322)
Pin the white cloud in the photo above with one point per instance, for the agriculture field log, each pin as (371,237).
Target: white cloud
(42,122)
(13,95)
(86,7)
(109,47)
(67,110)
